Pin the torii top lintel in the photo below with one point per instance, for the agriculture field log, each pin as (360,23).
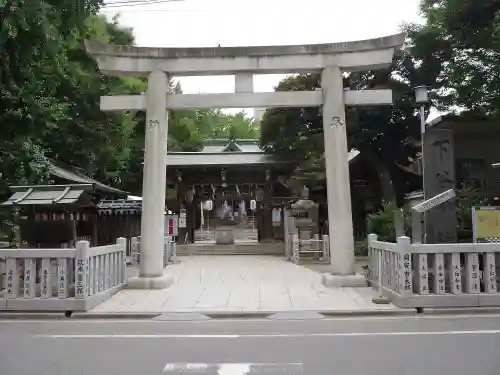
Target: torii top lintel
(352,56)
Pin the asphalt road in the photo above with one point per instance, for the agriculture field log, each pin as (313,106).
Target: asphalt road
(358,346)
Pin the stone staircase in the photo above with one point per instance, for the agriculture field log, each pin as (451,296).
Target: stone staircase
(239,248)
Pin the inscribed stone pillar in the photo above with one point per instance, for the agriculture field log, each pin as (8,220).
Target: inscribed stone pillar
(154,186)
(439,160)
(337,173)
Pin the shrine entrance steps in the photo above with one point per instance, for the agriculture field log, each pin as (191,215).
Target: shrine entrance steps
(238,248)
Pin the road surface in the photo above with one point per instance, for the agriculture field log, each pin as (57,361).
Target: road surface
(354,346)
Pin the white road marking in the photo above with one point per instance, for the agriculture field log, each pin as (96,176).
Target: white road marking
(272,335)
(234,368)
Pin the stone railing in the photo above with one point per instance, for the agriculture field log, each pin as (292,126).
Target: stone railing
(435,275)
(318,247)
(169,250)
(62,279)
(135,249)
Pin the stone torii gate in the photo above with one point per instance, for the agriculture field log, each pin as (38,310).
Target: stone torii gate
(161,64)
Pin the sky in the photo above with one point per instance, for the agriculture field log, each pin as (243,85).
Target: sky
(204,23)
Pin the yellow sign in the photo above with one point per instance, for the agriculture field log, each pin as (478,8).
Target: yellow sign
(487,224)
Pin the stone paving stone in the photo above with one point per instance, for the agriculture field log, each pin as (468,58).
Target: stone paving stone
(242,284)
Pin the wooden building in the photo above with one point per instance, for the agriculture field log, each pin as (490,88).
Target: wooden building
(231,175)
(74,208)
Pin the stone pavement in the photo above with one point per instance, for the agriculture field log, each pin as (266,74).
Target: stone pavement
(241,284)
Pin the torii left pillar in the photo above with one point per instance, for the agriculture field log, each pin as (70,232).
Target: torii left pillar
(153,187)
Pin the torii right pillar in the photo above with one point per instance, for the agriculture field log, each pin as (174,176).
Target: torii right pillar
(340,225)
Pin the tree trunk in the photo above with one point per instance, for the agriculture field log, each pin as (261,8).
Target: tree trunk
(388,191)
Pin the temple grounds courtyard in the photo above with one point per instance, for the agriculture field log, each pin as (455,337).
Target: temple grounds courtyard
(247,284)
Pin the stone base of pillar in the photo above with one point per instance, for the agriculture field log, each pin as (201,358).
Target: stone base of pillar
(338,281)
(161,282)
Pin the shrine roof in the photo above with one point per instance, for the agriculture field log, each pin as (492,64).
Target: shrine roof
(76,176)
(186,159)
(48,195)
(223,145)
(229,158)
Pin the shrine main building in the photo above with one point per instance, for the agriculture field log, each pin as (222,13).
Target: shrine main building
(230,175)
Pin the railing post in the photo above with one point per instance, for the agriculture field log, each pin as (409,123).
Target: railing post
(121,260)
(62,277)
(423,274)
(81,265)
(455,274)
(138,254)
(405,266)
(166,245)
(29,278)
(12,278)
(174,251)
(326,247)
(316,246)
(472,272)
(133,250)
(295,248)
(439,275)
(169,252)
(490,275)
(46,279)
(374,258)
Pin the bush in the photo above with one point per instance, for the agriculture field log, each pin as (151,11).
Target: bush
(466,199)
(382,222)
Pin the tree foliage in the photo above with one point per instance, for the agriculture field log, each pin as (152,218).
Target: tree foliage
(455,53)
(463,39)
(50,92)
(379,133)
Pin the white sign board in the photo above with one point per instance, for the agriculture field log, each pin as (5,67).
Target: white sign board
(183,218)
(434,201)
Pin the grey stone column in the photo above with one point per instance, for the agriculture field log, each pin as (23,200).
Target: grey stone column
(338,186)
(154,186)
(440,221)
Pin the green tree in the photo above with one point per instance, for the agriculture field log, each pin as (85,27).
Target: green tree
(34,60)
(381,134)
(462,38)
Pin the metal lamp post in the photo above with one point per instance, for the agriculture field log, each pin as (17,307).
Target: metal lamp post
(422,98)
(418,220)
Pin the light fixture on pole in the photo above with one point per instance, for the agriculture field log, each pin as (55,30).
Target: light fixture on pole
(422,98)
(418,220)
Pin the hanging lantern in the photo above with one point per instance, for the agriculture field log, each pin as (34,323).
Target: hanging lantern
(208,205)
(253,205)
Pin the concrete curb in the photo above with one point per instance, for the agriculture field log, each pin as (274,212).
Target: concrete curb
(211,314)
(32,316)
(221,315)
(124,315)
(369,313)
(461,311)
